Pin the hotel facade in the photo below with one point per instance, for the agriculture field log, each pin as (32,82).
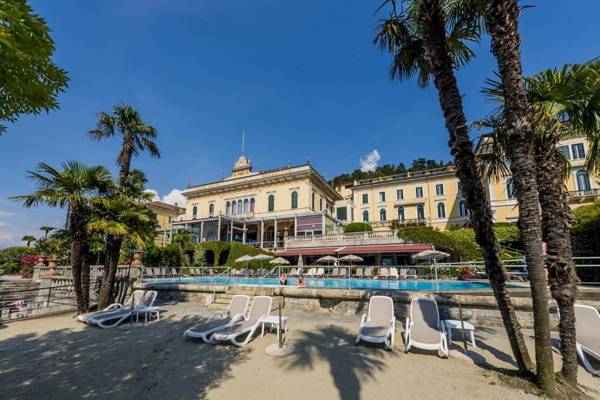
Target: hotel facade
(293,211)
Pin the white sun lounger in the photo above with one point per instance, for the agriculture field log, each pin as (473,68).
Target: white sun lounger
(424,329)
(261,308)
(110,319)
(221,319)
(379,326)
(137,296)
(394,273)
(587,326)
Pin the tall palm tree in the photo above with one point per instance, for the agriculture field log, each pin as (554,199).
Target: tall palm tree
(46,230)
(502,18)
(429,41)
(558,100)
(73,186)
(136,135)
(121,217)
(28,239)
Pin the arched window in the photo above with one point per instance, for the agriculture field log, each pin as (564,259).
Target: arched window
(194,212)
(246,206)
(583,180)
(227,208)
(240,207)
(252,205)
(211,210)
(510,189)
(400,213)
(441,210)
(271,202)
(233,207)
(365,216)
(462,208)
(382,214)
(294,199)
(420,212)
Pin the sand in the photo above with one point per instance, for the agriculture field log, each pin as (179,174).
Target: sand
(58,358)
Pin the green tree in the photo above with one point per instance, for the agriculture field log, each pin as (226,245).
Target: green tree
(136,135)
(28,239)
(428,38)
(183,239)
(73,186)
(46,229)
(358,227)
(30,81)
(558,101)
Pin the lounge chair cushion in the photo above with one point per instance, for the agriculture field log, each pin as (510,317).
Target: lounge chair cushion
(425,320)
(375,329)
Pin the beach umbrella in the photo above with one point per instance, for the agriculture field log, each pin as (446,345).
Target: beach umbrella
(431,256)
(280,261)
(244,259)
(261,258)
(327,260)
(351,258)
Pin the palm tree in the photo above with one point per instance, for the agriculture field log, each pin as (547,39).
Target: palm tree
(73,186)
(558,100)
(119,218)
(136,135)
(28,239)
(420,45)
(502,18)
(46,230)
(183,238)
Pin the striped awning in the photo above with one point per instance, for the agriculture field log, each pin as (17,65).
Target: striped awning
(364,249)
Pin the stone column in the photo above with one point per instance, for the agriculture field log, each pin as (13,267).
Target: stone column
(275,233)
(262,233)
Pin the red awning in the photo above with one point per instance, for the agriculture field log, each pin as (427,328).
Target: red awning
(365,249)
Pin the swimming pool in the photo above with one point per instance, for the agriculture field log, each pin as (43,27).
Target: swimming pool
(408,285)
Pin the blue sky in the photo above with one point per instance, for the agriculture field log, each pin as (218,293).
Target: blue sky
(301,78)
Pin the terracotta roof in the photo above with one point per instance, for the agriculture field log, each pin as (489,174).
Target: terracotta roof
(365,249)
(167,206)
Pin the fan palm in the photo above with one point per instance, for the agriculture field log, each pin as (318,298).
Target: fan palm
(73,186)
(183,238)
(559,100)
(119,218)
(136,135)
(46,230)
(28,239)
(429,38)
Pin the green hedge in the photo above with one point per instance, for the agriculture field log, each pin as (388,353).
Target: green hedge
(358,227)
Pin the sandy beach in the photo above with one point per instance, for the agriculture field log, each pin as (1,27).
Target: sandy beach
(58,358)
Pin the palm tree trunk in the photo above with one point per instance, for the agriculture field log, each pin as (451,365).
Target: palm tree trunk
(111,262)
(433,25)
(502,20)
(125,162)
(77,232)
(556,231)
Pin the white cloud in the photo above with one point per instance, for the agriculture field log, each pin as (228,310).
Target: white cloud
(175,196)
(369,163)
(6,213)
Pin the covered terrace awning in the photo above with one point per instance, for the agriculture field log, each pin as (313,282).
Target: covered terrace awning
(365,249)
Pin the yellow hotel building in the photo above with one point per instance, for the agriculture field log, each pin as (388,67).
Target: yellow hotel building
(261,208)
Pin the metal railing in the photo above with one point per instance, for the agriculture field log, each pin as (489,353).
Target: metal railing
(584,193)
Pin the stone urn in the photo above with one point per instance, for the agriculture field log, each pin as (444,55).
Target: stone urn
(137,258)
(52,264)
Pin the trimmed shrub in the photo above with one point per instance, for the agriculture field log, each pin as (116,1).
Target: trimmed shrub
(10,258)
(358,227)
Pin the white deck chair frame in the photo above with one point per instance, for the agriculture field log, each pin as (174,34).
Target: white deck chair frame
(582,350)
(233,338)
(103,322)
(205,335)
(441,346)
(389,338)
(112,307)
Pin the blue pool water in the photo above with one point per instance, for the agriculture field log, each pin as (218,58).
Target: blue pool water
(410,285)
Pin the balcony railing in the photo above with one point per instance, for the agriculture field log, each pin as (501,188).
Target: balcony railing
(580,194)
(341,239)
